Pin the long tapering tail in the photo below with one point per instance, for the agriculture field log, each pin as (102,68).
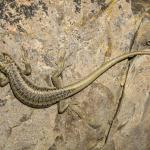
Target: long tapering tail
(78,86)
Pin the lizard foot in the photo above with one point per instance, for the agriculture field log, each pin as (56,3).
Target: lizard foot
(3,81)
(60,64)
(25,61)
(56,79)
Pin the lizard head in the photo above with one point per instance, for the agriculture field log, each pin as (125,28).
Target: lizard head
(5,61)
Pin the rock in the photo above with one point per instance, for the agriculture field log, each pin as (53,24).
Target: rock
(131,126)
(110,114)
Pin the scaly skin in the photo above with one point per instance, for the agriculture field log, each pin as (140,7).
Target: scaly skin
(42,97)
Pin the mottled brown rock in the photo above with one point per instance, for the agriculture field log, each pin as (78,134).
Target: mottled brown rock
(113,112)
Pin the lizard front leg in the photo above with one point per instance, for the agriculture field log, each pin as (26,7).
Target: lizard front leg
(3,81)
(27,71)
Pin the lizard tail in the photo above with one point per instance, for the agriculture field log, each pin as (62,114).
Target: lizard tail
(78,86)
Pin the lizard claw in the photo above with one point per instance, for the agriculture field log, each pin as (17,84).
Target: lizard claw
(60,64)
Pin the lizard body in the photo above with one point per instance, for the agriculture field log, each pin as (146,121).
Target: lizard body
(41,97)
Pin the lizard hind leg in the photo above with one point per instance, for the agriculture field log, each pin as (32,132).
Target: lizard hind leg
(56,79)
(61,66)
(57,82)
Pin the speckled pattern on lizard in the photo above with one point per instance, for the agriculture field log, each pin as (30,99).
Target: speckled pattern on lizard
(41,97)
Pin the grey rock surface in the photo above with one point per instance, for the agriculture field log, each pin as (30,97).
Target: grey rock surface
(113,113)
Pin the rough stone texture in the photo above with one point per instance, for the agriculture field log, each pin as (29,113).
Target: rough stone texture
(113,113)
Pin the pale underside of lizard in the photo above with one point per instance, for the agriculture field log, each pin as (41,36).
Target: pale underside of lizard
(42,97)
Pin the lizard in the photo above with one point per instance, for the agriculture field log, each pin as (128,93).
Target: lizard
(36,96)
